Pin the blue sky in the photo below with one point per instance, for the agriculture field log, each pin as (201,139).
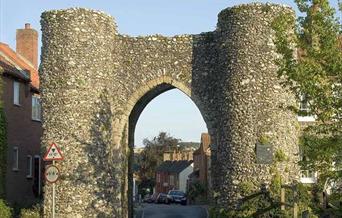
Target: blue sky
(172,111)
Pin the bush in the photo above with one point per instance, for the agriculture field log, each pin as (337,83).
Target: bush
(5,210)
(196,189)
(3,151)
(30,212)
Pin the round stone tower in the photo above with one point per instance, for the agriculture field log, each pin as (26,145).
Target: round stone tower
(255,126)
(76,67)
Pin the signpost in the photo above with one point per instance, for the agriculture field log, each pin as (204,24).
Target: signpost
(53,153)
(52,172)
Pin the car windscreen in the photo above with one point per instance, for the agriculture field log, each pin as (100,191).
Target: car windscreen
(177,193)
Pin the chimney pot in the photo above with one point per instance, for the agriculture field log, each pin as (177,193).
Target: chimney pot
(27,26)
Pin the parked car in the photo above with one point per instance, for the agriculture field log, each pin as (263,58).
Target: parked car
(162,199)
(176,196)
(150,198)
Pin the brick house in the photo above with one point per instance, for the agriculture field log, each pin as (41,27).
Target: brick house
(173,175)
(21,104)
(202,160)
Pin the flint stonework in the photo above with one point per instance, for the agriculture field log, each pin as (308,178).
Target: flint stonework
(96,82)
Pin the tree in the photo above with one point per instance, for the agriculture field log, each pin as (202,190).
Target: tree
(152,156)
(311,66)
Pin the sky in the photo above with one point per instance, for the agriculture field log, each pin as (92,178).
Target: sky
(171,111)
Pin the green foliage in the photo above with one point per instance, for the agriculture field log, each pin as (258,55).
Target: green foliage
(266,202)
(152,156)
(5,210)
(3,146)
(318,70)
(275,185)
(30,212)
(264,140)
(335,200)
(246,188)
(3,152)
(280,156)
(311,65)
(305,198)
(321,150)
(196,189)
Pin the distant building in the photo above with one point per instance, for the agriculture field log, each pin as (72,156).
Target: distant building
(138,150)
(135,171)
(202,160)
(21,104)
(306,176)
(173,175)
(178,154)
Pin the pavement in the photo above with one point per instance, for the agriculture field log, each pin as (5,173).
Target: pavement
(171,211)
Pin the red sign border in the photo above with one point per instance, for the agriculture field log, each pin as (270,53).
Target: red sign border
(47,170)
(59,151)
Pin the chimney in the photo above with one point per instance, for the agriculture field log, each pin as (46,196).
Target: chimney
(27,44)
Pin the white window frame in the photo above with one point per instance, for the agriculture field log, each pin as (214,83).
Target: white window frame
(303,103)
(36,108)
(16,93)
(39,173)
(29,166)
(308,176)
(305,108)
(15,164)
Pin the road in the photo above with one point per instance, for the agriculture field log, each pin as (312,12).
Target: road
(171,211)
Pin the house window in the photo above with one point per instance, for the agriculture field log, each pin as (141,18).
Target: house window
(16,93)
(304,110)
(172,180)
(29,166)
(158,177)
(303,104)
(15,165)
(307,174)
(36,108)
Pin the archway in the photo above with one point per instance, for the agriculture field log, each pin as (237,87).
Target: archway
(137,110)
(92,79)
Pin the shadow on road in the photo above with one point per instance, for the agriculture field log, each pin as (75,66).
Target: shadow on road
(171,211)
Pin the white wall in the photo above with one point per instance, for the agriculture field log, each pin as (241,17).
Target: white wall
(183,177)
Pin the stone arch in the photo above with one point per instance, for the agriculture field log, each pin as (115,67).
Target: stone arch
(92,78)
(137,103)
(146,93)
(166,82)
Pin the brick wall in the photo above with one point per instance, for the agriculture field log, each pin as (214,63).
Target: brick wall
(24,133)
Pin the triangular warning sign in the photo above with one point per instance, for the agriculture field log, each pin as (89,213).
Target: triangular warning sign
(53,153)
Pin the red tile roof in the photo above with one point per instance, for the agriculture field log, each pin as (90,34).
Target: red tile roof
(12,60)
(9,70)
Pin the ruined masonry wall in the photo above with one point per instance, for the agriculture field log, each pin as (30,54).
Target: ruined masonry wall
(92,78)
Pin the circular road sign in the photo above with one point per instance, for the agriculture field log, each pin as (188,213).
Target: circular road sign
(51,174)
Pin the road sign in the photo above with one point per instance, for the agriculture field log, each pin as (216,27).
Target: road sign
(51,174)
(53,153)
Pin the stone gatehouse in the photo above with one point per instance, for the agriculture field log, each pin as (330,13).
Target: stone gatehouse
(95,83)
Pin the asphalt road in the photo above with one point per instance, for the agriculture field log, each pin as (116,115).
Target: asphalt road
(171,211)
